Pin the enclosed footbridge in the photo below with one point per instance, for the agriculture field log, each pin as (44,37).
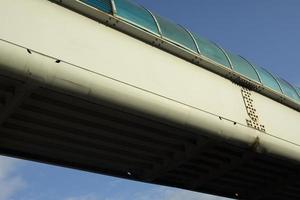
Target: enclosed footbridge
(109,87)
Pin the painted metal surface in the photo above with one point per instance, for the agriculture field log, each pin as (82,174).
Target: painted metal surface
(133,13)
(150,113)
(75,48)
(253,121)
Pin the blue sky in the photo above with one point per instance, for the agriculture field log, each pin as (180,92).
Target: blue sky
(267,32)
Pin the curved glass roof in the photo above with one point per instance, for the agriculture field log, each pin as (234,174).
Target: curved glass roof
(103,5)
(298,90)
(136,14)
(211,51)
(268,79)
(243,67)
(140,17)
(288,89)
(176,34)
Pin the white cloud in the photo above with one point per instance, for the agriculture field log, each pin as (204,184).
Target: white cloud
(157,193)
(10,183)
(165,193)
(84,197)
(183,194)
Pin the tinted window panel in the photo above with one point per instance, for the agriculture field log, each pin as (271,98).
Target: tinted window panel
(211,51)
(103,5)
(298,90)
(136,14)
(288,90)
(241,66)
(267,79)
(176,34)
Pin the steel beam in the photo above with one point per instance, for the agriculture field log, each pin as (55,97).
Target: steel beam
(20,94)
(223,169)
(178,159)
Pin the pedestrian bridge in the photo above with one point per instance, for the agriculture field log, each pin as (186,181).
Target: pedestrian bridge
(109,87)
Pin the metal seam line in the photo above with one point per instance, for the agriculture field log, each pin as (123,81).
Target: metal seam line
(155,20)
(252,67)
(224,52)
(122,82)
(192,36)
(83,68)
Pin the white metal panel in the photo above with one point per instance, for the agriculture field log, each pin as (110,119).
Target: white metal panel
(164,84)
(280,121)
(61,33)
(94,87)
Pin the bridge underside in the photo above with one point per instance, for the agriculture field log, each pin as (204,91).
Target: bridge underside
(47,125)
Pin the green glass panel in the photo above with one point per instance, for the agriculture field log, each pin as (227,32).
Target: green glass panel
(288,90)
(103,5)
(267,79)
(211,51)
(298,90)
(243,67)
(136,14)
(176,34)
